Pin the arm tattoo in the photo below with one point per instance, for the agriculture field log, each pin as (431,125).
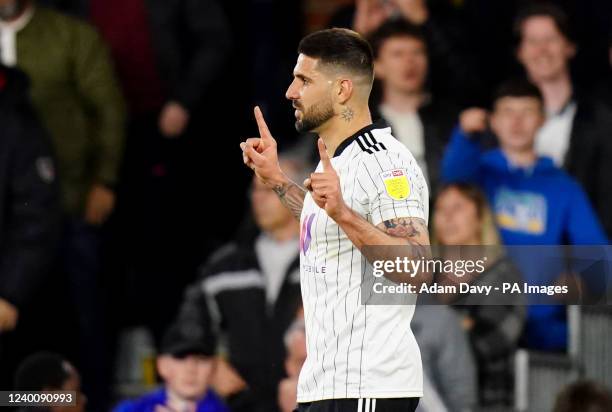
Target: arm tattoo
(401,227)
(292,197)
(347,114)
(411,229)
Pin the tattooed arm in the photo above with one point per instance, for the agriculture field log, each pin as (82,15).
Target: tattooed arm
(261,155)
(404,237)
(291,195)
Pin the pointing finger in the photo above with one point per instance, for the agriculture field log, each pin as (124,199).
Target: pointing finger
(324,156)
(264,132)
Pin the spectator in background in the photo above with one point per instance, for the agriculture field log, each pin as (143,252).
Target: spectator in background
(295,345)
(534,202)
(452,72)
(167,55)
(29,205)
(46,371)
(516,168)
(254,284)
(186,364)
(463,219)
(577,133)
(76,96)
(584,396)
(447,358)
(421,121)
(77,99)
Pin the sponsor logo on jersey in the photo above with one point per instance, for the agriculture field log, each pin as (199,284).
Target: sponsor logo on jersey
(305,233)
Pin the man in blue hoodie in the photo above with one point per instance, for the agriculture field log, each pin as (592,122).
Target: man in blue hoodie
(186,364)
(534,202)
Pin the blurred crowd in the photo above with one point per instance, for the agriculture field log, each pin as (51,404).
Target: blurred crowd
(124,203)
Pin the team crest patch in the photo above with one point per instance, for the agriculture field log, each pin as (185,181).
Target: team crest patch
(396,183)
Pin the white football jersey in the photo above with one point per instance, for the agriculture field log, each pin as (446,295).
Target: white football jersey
(356,350)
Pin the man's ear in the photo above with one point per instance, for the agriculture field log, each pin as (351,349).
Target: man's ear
(344,90)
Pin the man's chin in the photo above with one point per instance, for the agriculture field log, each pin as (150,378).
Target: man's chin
(193,394)
(300,127)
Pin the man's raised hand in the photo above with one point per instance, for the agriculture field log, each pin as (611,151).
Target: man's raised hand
(260,153)
(325,186)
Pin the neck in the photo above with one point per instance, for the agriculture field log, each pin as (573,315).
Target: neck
(400,101)
(284,233)
(521,158)
(178,403)
(556,91)
(349,121)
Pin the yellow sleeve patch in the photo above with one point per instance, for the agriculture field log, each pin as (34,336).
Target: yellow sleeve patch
(396,184)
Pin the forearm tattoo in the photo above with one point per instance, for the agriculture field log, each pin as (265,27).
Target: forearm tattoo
(410,229)
(292,197)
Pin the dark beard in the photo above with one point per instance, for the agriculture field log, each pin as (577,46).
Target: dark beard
(12,11)
(315,117)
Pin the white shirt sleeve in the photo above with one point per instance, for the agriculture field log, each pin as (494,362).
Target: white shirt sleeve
(393,183)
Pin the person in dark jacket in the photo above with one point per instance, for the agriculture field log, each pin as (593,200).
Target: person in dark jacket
(254,286)
(419,119)
(168,55)
(75,93)
(603,89)
(29,200)
(577,133)
(494,323)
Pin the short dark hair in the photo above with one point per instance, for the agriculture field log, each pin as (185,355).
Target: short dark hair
(340,47)
(394,28)
(42,370)
(518,87)
(583,396)
(558,16)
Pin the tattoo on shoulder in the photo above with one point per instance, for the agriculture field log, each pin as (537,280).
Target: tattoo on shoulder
(407,227)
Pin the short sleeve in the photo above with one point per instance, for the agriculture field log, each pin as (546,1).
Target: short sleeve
(394,185)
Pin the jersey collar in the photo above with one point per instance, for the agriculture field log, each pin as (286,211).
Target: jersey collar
(379,124)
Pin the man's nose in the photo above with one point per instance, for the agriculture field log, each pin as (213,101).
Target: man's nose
(291,93)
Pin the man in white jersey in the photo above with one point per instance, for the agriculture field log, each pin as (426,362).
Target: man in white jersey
(368,190)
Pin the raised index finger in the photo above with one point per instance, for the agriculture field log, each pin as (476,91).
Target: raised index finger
(264,132)
(324,155)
